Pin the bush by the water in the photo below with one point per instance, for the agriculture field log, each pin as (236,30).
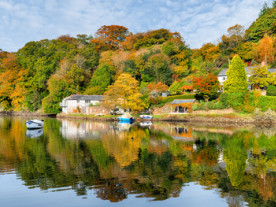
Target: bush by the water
(267,116)
(271,90)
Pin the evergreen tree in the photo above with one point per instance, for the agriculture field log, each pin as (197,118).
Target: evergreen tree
(236,77)
(264,10)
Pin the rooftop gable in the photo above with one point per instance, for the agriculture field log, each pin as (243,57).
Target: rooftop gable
(180,101)
(85,97)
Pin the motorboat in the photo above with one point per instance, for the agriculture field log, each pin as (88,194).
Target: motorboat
(35,124)
(146,117)
(126,118)
(34,133)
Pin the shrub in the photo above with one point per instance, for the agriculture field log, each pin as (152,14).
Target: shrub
(267,116)
(271,90)
(234,100)
(212,105)
(266,102)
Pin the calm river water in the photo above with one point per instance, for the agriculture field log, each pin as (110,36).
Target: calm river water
(84,163)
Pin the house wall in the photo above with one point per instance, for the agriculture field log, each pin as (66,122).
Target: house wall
(70,106)
(222,79)
(96,110)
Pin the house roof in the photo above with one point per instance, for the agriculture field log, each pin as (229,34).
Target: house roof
(179,101)
(247,70)
(85,97)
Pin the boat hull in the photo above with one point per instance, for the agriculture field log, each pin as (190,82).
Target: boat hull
(126,120)
(146,117)
(34,124)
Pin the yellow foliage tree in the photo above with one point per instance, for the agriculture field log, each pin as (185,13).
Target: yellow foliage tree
(124,94)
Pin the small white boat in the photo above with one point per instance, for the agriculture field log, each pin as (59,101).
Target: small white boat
(147,117)
(35,124)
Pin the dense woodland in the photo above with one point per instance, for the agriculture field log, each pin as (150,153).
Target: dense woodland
(42,73)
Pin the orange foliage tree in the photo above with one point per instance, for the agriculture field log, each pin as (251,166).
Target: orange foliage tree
(266,50)
(158,87)
(9,79)
(206,87)
(187,88)
(110,37)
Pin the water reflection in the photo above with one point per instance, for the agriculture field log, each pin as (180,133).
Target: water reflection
(34,133)
(156,161)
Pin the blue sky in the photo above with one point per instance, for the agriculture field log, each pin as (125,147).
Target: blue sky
(198,21)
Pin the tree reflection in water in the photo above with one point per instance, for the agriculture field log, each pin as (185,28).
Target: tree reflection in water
(154,162)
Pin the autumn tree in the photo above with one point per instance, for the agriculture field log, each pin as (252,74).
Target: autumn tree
(206,87)
(232,40)
(236,77)
(124,93)
(157,88)
(247,51)
(209,52)
(10,82)
(266,50)
(110,37)
(259,77)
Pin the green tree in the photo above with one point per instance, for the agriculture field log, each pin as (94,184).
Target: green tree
(158,70)
(236,77)
(265,24)
(271,90)
(101,79)
(175,88)
(264,10)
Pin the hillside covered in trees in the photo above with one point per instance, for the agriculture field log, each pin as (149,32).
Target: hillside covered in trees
(42,73)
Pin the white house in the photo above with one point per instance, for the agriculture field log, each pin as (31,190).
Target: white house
(222,77)
(74,103)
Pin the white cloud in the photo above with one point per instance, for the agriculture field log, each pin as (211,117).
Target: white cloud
(198,21)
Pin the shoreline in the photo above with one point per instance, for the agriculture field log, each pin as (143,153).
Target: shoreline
(184,118)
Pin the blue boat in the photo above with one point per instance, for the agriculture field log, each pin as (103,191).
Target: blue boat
(126,118)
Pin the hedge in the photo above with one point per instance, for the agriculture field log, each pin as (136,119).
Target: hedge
(271,91)
(161,101)
(247,102)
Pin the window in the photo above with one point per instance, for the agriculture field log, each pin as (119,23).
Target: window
(87,101)
(223,78)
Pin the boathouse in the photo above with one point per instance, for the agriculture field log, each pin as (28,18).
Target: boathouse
(181,106)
